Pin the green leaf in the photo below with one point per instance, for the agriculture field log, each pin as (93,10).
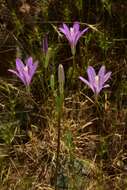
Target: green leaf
(48,57)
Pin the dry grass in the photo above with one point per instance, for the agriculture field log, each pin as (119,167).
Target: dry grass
(96,161)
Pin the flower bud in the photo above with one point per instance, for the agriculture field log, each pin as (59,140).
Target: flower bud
(61,78)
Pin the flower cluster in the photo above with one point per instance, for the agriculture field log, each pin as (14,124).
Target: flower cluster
(95,81)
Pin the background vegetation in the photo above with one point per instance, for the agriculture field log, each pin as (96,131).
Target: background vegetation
(93,151)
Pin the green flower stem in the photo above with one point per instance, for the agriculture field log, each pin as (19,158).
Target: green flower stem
(74,65)
(60,105)
(28,90)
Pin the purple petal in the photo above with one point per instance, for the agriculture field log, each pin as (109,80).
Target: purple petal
(23,74)
(19,65)
(97,90)
(68,36)
(101,72)
(76,33)
(14,72)
(76,26)
(20,68)
(17,74)
(65,30)
(83,31)
(101,75)
(27,77)
(33,69)
(87,83)
(107,76)
(31,66)
(106,86)
(29,62)
(80,34)
(91,75)
(62,30)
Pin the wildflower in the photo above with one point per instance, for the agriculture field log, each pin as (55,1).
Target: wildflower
(45,44)
(96,82)
(25,72)
(73,34)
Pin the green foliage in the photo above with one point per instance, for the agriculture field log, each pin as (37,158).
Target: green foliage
(8,131)
(107,4)
(79,5)
(69,140)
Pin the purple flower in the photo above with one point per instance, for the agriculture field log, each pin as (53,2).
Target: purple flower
(72,34)
(25,72)
(96,82)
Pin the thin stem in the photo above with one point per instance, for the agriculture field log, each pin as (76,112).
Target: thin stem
(99,112)
(58,148)
(97,104)
(74,66)
(58,138)
(28,90)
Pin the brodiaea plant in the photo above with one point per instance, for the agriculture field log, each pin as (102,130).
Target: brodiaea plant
(73,34)
(96,81)
(25,72)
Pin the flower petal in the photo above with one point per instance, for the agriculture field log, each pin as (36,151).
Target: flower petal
(65,30)
(27,78)
(20,68)
(106,86)
(62,30)
(101,72)
(19,65)
(18,75)
(87,83)
(83,31)
(101,75)
(79,34)
(107,76)
(91,75)
(29,62)
(97,90)
(13,71)
(33,69)
(76,26)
